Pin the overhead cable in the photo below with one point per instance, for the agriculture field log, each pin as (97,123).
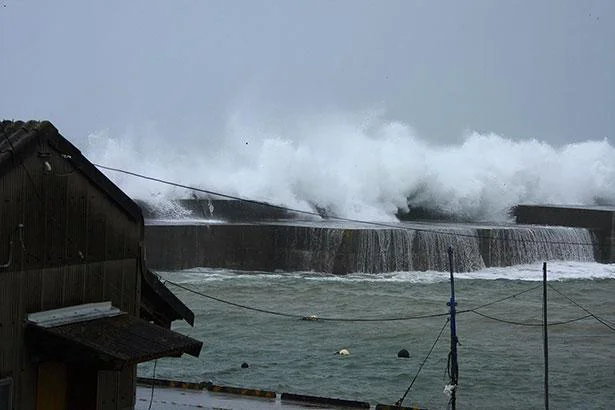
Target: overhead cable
(603,321)
(401,400)
(336,218)
(309,317)
(511,322)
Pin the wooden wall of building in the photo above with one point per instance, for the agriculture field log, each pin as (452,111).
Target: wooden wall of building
(67,242)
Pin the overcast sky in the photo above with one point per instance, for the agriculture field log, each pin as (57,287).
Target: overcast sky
(522,69)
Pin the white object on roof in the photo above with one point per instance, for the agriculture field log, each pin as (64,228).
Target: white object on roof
(73,314)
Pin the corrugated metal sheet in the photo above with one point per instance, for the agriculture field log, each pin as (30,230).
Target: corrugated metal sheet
(11,197)
(114,285)
(31,298)
(73,246)
(19,139)
(74,285)
(51,289)
(76,239)
(10,318)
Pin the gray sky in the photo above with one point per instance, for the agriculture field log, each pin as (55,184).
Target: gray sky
(522,69)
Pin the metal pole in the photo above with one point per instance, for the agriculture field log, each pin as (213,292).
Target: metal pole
(453,366)
(546,339)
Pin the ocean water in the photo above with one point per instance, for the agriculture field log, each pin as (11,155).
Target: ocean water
(366,168)
(501,364)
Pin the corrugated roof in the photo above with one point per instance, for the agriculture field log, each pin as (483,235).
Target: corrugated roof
(109,342)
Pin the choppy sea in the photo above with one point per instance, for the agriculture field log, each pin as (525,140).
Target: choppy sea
(501,358)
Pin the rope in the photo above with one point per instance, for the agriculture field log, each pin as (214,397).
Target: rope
(499,300)
(271,312)
(401,400)
(295,316)
(151,397)
(603,321)
(337,319)
(337,218)
(510,322)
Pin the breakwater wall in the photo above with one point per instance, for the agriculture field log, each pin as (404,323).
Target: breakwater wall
(600,219)
(274,246)
(231,210)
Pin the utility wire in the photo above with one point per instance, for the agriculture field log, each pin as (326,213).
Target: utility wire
(459,311)
(401,400)
(604,322)
(271,312)
(205,191)
(337,218)
(12,149)
(499,300)
(511,322)
(295,316)
(337,319)
(151,397)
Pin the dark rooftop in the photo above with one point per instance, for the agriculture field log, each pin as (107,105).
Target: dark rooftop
(109,342)
(18,138)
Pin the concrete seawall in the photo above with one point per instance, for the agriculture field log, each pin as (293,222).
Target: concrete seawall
(250,247)
(273,247)
(256,237)
(600,219)
(232,246)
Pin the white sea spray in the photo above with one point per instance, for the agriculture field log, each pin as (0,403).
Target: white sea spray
(361,167)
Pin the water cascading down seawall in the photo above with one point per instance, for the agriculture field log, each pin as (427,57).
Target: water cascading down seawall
(329,247)
(388,250)
(520,245)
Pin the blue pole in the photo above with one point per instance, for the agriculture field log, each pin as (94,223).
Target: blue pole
(453,368)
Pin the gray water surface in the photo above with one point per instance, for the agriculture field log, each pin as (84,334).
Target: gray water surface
(501,364)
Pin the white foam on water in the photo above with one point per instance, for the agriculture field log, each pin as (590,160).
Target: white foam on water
(556,271)
(202,275)
(186,221)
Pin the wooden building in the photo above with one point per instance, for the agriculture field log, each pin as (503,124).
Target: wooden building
(78,307)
